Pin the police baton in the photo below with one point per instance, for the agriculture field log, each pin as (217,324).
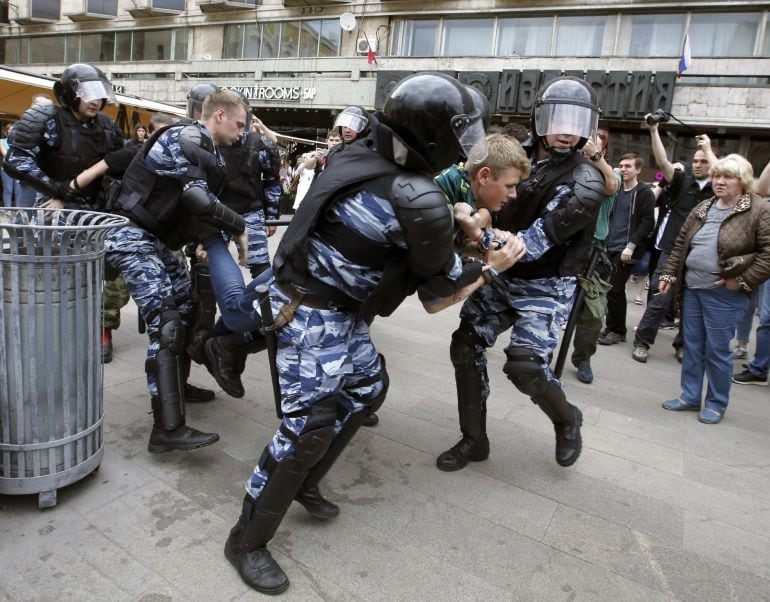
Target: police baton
(574,313)
(268,330)
(277,222)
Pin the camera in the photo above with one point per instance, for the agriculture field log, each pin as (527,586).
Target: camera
(659,116)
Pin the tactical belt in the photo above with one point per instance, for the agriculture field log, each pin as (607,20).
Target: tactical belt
(297,298)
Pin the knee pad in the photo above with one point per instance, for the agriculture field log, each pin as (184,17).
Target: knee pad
(313,440)
(462,350)
(526,371)
(171,330)
(375,401)
(385,380)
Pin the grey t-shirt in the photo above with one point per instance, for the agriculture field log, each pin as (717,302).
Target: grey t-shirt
(703,261)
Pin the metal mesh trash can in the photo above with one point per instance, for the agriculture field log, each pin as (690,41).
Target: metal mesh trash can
(51,398)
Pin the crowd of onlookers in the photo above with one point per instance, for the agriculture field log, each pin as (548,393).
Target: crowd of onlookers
(697,242)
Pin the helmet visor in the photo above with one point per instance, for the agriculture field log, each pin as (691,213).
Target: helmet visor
(553,118)
(357,123)
(471,136)
(97,89)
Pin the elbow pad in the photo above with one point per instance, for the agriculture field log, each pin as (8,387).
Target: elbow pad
(580,209)
(427,223)
(198,202)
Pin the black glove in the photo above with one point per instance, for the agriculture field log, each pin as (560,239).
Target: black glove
(67,194)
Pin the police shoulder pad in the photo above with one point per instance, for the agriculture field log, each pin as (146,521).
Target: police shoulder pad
(194,143)
(416,191)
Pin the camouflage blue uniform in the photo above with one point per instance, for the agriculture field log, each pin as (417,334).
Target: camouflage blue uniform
(269,167)
(329,352)
(535,310)
(255,220)
(152,271)
(27,155)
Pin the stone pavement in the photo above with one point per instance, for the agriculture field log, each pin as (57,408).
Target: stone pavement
(659,506)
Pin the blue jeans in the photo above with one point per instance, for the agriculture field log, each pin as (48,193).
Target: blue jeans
(743,332)
(234,297)
(709,317)
(761,363)
(26,196)
(11,190)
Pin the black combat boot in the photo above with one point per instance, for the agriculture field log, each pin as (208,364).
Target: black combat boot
(182,437)
(371,420)
(567,420)
(226,360)
(466,450)
(316,504)
(568,439)
(254,564)
(193,394)
(472,410)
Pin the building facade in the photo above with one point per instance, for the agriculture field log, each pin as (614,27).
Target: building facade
(301,61)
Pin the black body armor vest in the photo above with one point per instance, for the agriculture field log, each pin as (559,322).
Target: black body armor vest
(243,190)
(569,255)
(78,149)
(153,201)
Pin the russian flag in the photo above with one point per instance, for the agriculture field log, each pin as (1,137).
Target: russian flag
(686,60)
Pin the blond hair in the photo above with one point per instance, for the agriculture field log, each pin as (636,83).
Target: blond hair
(735,166)
(223,99)
(503,152)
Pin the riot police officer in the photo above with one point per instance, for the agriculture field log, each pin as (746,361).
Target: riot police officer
(554,214)
(53,144)
(168,194)
(344,259)
(351,124)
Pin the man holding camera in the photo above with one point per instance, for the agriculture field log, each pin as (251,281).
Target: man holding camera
(687,188)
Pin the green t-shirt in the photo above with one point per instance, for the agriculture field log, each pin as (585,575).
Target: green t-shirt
(602,230)
(455,185)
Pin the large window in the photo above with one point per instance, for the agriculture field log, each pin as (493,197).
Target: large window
(102,7)
(271,39)
(727,34)
(766,45)
(168,4)
(290,39)
(329,42)
(152,45)
(45,9)
(97,47)
(123,46)
(472,37)
(524,37)
(44,48)
(421,38)
(580,36)
(651,35)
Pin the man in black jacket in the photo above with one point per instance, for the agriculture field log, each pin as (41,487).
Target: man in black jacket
(687,188)
(633,218)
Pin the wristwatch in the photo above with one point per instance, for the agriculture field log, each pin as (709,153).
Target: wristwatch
(596,156)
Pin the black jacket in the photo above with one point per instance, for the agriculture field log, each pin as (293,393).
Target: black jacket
(641,219)
(685,194)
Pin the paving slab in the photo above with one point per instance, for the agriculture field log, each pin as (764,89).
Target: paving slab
(659,506)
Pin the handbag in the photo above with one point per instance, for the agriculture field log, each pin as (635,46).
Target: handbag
(735,266)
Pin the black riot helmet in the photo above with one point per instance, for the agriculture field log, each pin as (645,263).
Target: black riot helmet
(565,105)
(355,118)
(195,98)
(85,82)
(435,120)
